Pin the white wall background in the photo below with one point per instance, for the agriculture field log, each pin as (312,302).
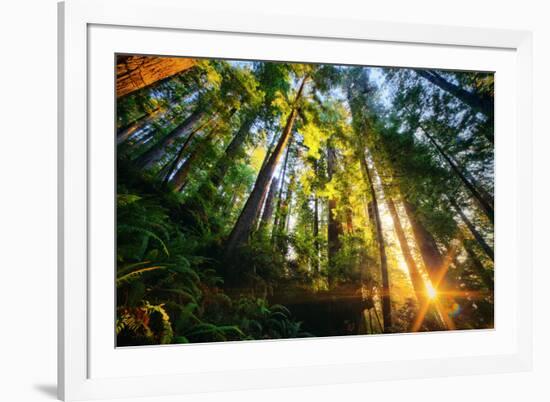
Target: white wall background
(28,199)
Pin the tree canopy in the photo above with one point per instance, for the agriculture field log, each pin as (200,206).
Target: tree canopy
(265,200)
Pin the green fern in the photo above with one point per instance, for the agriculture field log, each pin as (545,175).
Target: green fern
(134,275)
(148,233)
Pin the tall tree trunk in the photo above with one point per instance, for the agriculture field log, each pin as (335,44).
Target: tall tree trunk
(243,227)
(146,133)
(270,148)
(433,261)
(486,248)
(316,242)
(231,152)
(208,189)
(479,104)
(137,72)
(347,207)
(316,233)
(155,153)
(366,208)
(485,205)
(161,115)
(418,283)
(126,132)
(436,265)
(281,187)
(179,179)
(269,204)
(284,216)
(286,205)
(386,301)
(259,211)
(167,168)
(334,227)
(416,279)
(316,220)
(360,149)
(170,168)
(349,220)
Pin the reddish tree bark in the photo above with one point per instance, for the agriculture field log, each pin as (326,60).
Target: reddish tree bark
(137,72)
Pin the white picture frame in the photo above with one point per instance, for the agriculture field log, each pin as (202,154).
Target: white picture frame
(88,367)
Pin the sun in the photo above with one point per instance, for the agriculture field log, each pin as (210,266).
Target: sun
(432,293)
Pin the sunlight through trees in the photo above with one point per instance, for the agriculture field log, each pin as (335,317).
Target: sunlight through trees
(263,200)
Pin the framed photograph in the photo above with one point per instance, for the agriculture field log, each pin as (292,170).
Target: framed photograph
(248,202)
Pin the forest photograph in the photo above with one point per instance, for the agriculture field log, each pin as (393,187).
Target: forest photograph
(261,200)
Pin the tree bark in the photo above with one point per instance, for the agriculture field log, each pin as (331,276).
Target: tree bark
(416,279)
(126,132)
(486,248)
(433,261)
(316,233)
(485,205)
(269,204)
(334,227)
(243,227)
(286,205)
(155,153)
(436,265)
(349,220)
(386,301)
(280,195)
(179,179)
(208,189)
(137,72)
(477,103)
(231,152)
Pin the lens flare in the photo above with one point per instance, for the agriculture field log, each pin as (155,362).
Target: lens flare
(432,293)
(456,310)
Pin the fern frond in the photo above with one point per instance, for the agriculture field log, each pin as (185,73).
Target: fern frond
(128,268)
(135,274)
(129,228)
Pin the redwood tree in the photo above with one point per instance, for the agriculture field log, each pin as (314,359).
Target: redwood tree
(245,223)
(137,72)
